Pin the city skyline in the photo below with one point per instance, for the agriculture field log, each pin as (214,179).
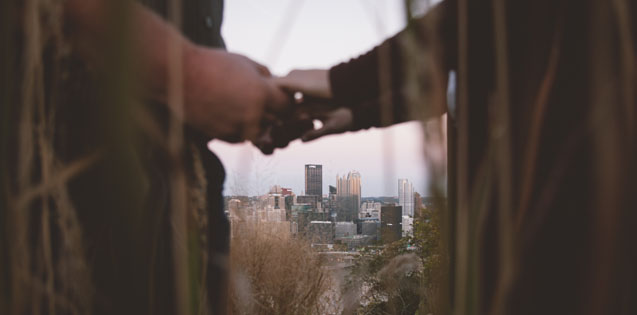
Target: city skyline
(350,183)
(381,155)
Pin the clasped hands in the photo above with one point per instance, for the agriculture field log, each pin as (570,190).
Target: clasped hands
(310,100)
(238,99)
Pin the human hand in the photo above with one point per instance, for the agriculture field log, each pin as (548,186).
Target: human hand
(280,132)
(228,96)
(315,103)
(334,121)
(299,124)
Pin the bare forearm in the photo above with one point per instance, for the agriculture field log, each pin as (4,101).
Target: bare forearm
(224,94)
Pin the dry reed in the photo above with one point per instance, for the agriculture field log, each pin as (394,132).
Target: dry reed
(273,274)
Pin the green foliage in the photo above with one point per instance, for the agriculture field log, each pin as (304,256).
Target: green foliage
(401,277)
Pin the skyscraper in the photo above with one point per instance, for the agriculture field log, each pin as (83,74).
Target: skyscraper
(390,224)
(354,179)
(417,205)
(314,179)
(350,186)
(406,196)
(342,188)
(348,195)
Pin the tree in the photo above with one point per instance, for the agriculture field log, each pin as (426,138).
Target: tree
(402,277)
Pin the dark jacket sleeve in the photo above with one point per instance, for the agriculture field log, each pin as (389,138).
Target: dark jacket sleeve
(374,85)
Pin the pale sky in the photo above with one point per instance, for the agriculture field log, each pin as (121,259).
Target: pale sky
(289,34)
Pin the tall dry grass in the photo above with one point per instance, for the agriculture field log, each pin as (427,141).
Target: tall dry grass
(36,209)
(542,158)
(43,258)
(273,274)
(282,276)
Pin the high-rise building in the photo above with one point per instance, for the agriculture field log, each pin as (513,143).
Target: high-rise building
(406,197)
(349,186)
(417,205)
(331,200)
(390,223)
(314,179)
(354,179)
(348,196)
(408,225)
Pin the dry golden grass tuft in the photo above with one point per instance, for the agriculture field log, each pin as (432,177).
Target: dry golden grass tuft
(274,274)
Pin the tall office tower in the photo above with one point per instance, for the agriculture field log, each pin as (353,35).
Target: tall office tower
(349,186)
(342,188)
(390,223)
(331,199)
(314,180)
(417,205)
(354,179)
(348,194)
(406,197)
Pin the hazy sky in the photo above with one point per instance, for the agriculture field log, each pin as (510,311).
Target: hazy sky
(288,34)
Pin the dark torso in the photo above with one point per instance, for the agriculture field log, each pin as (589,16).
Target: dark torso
(124,202)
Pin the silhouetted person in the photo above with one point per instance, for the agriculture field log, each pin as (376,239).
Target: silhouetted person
(542,146)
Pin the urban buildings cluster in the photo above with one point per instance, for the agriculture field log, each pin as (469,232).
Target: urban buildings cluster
(340,217)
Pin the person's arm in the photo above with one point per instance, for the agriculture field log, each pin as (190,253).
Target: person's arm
(379,78)
(224,94)
(382,74)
